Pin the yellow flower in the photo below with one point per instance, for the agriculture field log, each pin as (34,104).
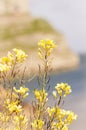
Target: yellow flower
(70,117)
(45,48)
(4,67)
(38,124)
(51,111)
(9,60)
(20,119)
(60,124)
(3,117)
(56,112)
(5,60)
(5,64)
(54,94)
(47,44)
(65,127)
(20,55)
(63,89)
(11,57)
(62,118)
(40,53)
(16,128)
(57,125)
(22,91)
(8,128)
(41,95)
(14,107)
(15,95)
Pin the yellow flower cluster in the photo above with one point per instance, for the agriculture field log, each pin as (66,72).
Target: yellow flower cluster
(53,118)
(20,55)
(62,119)
(47,44)
(56,113)
(41,95)
(13,106)
(62,89)
(3,117)
(23,91)
(20,121)
(4,67)
(45,48)
(37,124)
(7,62)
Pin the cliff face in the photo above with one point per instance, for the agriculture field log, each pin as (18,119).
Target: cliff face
(24,31)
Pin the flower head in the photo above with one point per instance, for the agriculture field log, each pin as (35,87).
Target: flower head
(12,106)
(41,95)
(45,48)
(47,44)
(62,118)
(4,67)
(23,91)
(63,89)
(5,60)
(20,118)
(20,55)
(38,124)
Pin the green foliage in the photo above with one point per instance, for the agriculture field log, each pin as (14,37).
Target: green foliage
(36,25)
(41,25)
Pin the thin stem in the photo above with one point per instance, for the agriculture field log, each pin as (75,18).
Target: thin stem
(60,98)
(45,70)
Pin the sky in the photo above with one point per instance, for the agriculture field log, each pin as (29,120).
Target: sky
(67,16)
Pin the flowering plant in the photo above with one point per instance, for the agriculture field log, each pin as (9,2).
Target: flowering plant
(45,117)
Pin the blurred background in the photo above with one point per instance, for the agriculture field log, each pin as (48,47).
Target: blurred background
(24,22)
(69,17)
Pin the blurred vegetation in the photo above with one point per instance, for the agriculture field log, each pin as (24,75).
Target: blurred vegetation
(11,35)
(37,25)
